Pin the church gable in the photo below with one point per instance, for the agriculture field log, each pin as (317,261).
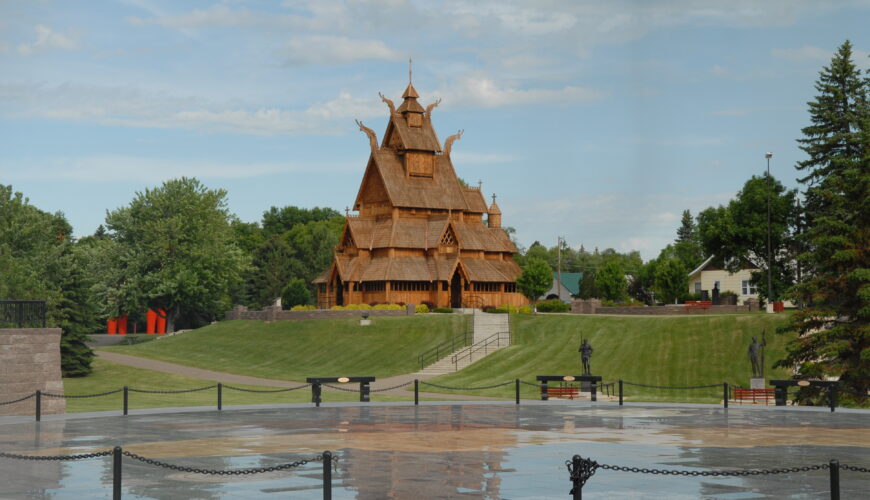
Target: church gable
(372,189)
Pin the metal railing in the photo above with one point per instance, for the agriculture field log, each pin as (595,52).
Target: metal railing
(22,314)
(493,342)
(443,349)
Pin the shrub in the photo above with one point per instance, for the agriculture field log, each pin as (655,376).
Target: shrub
(524,310)
(358,307)
(388,307)
(515,309)
(553,306)
(430,305)
(631,302)
(303,308)
(421,309)
(295,293)
(495,310)
(443,310)
(337,308)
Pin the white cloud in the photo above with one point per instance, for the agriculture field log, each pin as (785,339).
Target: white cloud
(132,107)
(471,158)
(333,50)
(112,168)
(481,91)
(717,70)
(805,53)
(47,39)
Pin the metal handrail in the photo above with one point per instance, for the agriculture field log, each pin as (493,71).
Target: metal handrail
(483,344)
(435,353)
(22,313)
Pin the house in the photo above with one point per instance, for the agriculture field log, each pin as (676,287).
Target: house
(707,275)
(567,289)
(420,234)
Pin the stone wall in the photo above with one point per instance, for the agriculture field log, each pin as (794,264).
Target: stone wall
(273,313)
(30,361)
(593,306)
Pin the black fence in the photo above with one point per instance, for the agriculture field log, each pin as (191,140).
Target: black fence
(580,470)
(117,454)
(611,389)
(22,314)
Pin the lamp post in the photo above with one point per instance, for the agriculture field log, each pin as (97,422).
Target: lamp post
(768,155)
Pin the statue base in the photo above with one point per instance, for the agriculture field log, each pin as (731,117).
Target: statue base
(365,322)
(756,383)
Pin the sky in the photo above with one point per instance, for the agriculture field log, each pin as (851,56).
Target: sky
(596,121)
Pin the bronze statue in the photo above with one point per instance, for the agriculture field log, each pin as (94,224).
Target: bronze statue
(585,354)
(373,139)
(756,348)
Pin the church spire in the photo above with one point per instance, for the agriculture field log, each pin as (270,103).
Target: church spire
(410,96)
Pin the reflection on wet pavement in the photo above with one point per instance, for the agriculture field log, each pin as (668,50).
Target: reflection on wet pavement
(443,451)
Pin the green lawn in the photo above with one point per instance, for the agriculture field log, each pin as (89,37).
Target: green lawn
(672,351)
(294,350)
(108,376)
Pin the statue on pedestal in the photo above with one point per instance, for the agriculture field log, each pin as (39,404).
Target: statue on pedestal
(585,354)
(756,356)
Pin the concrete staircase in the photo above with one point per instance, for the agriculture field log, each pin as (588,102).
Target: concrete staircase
(485,327)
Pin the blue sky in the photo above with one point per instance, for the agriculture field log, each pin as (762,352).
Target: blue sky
(596,121)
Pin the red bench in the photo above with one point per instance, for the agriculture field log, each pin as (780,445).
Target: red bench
(698,304)
(563,391)
(753,396)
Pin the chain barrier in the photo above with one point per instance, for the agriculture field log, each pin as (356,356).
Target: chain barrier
(80,396)
(225,472)
(345,389)
(56,457)
(267,390)
(539,386)
(673,387)
(467,388)
(854,469)
(391,388)
(144,391)
(25,398)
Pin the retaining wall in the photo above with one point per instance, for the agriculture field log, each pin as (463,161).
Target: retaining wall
(30,361)
(593,306)
(278,314)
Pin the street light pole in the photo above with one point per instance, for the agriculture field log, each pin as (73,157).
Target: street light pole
(768,155)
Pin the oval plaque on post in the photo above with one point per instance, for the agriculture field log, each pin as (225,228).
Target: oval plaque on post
(343,380)
(803,383)
(568,378)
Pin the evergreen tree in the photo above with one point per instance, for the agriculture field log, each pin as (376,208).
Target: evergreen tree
(686,231)
(833,330)
(588,290)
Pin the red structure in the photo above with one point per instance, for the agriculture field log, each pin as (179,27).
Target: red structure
(112,326)
(151,322)
(161,321)
(122,324)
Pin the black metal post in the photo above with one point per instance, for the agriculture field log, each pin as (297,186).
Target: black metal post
(220,391)
(416,392)
(544,395)
(364,392)
(832,396)
(594,388)
(38,405)
(126,399)
(327,475)
(577,490)
(116,473)
(725,394)
(834,469)
(620,392)
(518,390)
(315,393)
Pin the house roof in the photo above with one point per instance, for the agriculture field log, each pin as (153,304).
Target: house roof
(571,281)
(703,265)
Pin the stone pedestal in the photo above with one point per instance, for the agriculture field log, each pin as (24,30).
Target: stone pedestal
(756,383)
(365,322)
(768,308)
(30,361)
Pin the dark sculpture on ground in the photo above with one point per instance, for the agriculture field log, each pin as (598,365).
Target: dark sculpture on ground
(585,353)
(756,349)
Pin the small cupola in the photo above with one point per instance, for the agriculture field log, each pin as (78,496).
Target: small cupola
(410,108)
(494,219)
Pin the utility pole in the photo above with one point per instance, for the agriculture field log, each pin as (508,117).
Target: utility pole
(770,296)
(559,266)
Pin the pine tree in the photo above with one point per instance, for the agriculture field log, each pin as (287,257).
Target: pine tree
(833,330)
(686,232)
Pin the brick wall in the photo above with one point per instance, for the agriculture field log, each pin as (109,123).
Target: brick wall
(277,314)
(30,361)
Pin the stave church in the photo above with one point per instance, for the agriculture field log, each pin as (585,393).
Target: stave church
(419,234)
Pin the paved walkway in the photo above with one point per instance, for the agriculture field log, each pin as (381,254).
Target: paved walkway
(231,378)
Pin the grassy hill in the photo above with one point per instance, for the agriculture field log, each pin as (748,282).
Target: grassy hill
(293,350)
(665,351)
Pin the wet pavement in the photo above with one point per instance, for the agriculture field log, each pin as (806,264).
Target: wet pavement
(436,450)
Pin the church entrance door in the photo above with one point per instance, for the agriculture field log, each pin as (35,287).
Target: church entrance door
(456,290)
(339,292)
